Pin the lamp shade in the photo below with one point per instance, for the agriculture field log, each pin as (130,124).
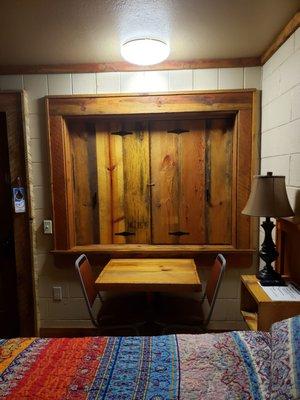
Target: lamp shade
(268,197)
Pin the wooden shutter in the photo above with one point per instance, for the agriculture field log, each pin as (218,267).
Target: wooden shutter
(178,179)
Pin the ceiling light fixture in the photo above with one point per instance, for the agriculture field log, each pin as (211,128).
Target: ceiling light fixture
(145,51)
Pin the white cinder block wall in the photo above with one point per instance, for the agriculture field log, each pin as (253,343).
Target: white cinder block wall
(280,140)
(71,311)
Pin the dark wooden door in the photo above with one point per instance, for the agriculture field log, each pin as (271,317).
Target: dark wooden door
(9,320)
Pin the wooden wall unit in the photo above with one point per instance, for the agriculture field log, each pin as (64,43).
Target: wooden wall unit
(129,171)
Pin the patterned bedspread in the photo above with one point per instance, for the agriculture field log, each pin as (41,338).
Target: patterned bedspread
(229,366)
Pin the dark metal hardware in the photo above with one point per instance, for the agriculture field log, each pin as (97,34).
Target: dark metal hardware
(179,233)
(121,133)
(150,184)
(178,131)
(124,233)
(95,200)
(208,195)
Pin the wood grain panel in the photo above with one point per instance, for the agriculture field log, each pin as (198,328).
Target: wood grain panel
(177,173)
(165,178)
(104,182)
(117,183)
(192,182)
(85,182)
(136,180)
(219,181)
(59,183)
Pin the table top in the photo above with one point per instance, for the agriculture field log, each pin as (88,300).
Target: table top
(149,275)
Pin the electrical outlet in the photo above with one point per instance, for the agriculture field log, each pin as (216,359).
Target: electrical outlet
(57,293)
(47,226)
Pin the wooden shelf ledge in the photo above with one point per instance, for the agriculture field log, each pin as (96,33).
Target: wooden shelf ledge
(238,258)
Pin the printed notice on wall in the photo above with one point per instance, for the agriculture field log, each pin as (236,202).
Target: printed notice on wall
(19,200)
(282,293)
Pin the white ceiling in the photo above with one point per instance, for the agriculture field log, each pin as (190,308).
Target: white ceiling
(90,31)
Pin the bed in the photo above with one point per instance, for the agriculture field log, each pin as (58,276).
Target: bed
(233,365)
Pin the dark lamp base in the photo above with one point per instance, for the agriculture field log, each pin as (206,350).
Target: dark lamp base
(269,277)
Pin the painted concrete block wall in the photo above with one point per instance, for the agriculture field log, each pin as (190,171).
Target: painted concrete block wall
(280,139)
(71,311)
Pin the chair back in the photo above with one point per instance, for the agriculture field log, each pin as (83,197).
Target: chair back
(213,284)
(87,282)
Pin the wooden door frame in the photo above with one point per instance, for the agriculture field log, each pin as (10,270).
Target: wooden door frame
(13,105)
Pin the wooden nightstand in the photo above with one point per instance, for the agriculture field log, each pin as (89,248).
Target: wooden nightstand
(258,310)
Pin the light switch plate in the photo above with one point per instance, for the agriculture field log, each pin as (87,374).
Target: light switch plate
(57,293)
(47,226)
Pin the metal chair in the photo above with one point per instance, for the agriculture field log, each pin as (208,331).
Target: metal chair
(123,312)
(183,313)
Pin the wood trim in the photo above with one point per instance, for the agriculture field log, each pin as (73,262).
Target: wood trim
(244,154)
(123,249)
(143,104)
(286,32)
(125,67)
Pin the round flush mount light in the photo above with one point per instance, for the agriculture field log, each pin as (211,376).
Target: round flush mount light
(145,51)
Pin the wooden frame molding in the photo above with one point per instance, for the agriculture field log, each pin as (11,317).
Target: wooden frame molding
(243,104)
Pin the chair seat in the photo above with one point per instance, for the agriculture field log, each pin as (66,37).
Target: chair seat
(179,311)
(123,310)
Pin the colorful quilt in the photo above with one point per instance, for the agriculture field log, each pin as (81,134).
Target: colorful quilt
(229,366)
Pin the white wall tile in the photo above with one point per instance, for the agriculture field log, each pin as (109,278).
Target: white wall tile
(132,82)
(206,79)
(37,88)
(279,57)
(44,242)
(295,99)
(252,77)
(41,197)
(108,82)
(279,165)
(297,39)
(43,308)
(295,170)
(231,78)
(37,150)
(277,113)
(226,310)
(271,87)
(84,83)
(37,174)
(294,198)
(46,284)
(181,80)
(290,72)
(282,140)
(156,81)
(59,84)
(11,82)
(37,126)
(67,309)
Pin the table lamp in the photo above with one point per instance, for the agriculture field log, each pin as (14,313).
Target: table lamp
(268,198)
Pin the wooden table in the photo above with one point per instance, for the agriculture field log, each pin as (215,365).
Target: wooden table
(149,275)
